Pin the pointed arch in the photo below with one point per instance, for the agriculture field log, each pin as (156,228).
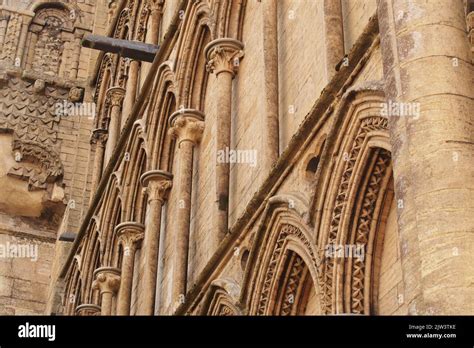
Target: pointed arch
(141,27)
(190,64)
(222,298)
(92,259)
(284,253)
(104,80)
(111,213)
(162,106)
(72,281)
(230,17)
(350,199)
(136,164)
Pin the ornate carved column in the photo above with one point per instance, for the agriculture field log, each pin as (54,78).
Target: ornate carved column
(130,235)
(76,55)
(186,126)
(107,281)
(223,58)
(115,96)
(98,139)
(157,183)
(87,310)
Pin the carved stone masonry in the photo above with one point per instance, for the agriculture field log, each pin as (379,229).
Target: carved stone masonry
(76,94)
(130,235)
(187,125)
(157,5)
(99,139)
(157,184)
(116,95)
(99,136)
(223,58)
(107,281)
(223,55)
(88,310)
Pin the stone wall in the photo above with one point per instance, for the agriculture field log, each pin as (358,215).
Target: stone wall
(45,152)
(316,230)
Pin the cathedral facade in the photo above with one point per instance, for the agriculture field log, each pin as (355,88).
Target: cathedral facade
(294,157)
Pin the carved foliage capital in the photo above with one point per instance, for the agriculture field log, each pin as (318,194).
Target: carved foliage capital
(224,55)
(130,234)
(99,136)
(116,95)
(187,125)
(157,184)
(159,189)
(107,280)
(88,310)
(156,5)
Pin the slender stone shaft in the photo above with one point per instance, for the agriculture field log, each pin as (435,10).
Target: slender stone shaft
(115,95)
(334,35)
(270,52)
(223,59)
(156,15)
(99,139)
(157,184)
(130,235)
(131,91)
(76,55)
(107,281)
(26,20)
(186,126)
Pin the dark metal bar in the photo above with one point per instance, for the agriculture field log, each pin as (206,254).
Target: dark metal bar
(126,48)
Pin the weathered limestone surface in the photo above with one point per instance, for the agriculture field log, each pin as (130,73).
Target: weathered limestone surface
(45,153)
(278,158)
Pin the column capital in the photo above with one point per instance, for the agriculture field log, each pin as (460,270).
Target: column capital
(99,136)
(187,125)
(223,55)
(116,95)
(157,184)
(156,5)
(130,234)
(88,309)
(107,280)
